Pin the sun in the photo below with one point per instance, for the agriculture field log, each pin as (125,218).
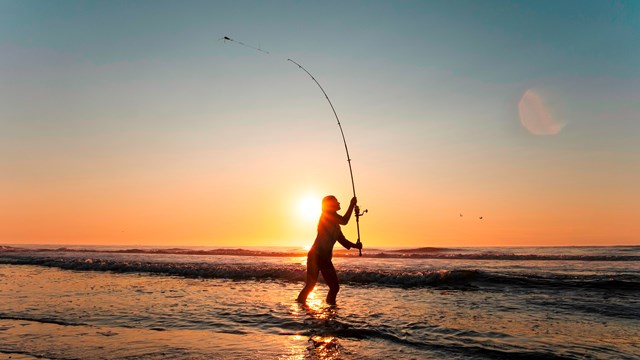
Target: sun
(309,207)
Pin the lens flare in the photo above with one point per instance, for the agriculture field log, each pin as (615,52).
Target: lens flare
(536,116)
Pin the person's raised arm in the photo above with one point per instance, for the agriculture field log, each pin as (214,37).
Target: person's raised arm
(344,219)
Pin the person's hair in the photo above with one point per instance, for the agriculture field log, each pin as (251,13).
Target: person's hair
(327,201)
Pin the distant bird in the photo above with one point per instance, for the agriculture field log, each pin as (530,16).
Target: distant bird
(460,215)
(480,217)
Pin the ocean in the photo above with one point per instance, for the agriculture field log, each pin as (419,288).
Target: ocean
(91,302)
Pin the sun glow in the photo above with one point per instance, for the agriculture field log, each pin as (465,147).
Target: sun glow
(309,207)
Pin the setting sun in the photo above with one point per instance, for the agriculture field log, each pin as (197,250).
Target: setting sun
(309,207)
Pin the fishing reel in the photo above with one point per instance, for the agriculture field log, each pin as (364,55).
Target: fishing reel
(358,213)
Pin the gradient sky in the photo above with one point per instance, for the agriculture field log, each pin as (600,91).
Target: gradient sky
(131,123)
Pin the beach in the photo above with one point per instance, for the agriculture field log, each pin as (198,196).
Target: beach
(153,303)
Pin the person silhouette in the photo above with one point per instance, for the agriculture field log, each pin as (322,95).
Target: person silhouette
(320,254)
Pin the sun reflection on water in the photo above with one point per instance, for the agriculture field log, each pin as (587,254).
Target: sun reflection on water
(324,347)
(317,316)
(318,347)
(314,304)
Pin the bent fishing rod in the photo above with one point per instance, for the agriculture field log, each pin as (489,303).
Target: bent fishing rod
(353,185)
(358,214)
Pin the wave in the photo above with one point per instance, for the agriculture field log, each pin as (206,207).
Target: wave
(328,333)
(455,279)
(45,320)
(415,253)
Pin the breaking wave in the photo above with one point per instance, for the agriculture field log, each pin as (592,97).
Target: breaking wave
(457,279)
(415,253)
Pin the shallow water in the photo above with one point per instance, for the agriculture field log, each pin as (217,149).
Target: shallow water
(69,305)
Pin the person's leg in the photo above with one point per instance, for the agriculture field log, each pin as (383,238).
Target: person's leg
(312,278)
(331,278)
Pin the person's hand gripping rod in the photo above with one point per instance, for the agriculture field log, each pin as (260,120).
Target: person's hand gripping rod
(358,214)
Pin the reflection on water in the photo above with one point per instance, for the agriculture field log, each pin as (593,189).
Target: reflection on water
(318,347)
(62,314)
(319,319)
(321,344)
(315,305)
(324,347)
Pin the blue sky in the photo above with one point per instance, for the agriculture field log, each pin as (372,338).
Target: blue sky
(538,38)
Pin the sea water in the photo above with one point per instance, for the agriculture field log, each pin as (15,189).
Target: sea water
(228,303)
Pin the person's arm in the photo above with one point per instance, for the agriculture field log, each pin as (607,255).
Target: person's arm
(344,219)
(346,243)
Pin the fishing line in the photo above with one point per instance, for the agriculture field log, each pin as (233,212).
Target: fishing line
(358,214)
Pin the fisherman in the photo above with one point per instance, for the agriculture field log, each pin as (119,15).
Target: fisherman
(319,256)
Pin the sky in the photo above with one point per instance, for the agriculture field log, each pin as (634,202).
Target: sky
(469,123)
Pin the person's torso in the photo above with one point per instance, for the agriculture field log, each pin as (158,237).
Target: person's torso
(328,232)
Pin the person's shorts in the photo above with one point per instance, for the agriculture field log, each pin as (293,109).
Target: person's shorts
(322,263)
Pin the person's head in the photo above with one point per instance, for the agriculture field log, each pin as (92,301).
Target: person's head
(330,203)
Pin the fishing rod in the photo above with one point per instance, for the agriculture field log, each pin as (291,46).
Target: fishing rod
(346,149)
(358,214)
